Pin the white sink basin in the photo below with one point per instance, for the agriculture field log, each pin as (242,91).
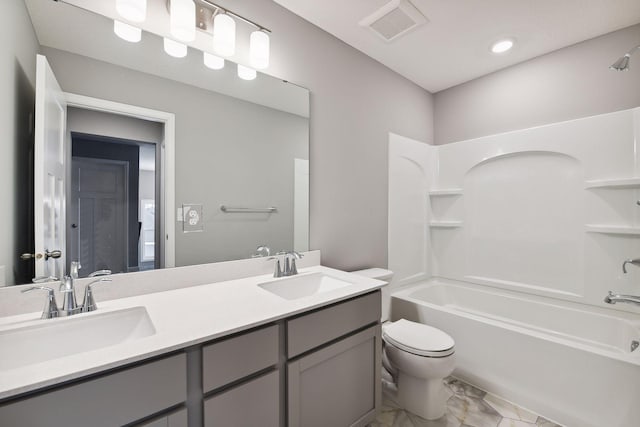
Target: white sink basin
(303,285)
(55,338)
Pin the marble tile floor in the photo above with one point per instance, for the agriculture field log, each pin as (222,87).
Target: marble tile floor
(467,406)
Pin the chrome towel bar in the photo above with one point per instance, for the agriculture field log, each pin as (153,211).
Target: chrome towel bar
(229,209)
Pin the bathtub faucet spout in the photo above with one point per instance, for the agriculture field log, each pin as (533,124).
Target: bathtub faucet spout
(612,298)
(635,262)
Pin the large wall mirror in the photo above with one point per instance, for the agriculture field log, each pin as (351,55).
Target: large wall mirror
(240,154)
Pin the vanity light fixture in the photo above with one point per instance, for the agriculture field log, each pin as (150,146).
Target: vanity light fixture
(127,32)
(224,35)
(212,61)
(502,46)
(132,10)
(182,19)
(246,73)
(259,49)
(174,48)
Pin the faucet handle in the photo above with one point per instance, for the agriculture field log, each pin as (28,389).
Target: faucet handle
(44,279)
(277,272)
(294,254)
(262,251)
(290,263)
(100,273)
(51,306)
(89,303)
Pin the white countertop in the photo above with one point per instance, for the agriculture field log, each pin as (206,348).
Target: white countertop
(181,317)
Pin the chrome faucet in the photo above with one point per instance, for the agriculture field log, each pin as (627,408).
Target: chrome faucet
(89,303)
(612,298)
(635,262)
(50,307)
(289,264)
(67,287)
(68,290)
(261,251)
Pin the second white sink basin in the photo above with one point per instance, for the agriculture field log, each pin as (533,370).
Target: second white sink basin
(303,285)
(55,338)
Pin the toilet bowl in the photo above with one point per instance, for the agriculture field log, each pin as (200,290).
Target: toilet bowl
(416,358)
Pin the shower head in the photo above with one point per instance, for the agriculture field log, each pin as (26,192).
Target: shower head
(622,64)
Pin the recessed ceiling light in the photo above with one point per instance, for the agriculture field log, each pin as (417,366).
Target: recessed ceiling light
(502,46)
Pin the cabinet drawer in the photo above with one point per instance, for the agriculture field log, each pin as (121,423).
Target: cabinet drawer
(234,358)
(256,403)
(116,399)
(174,419)
(312,330)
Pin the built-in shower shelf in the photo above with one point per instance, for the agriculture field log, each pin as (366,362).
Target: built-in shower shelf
(445,224)
(614,183)
(612,229)
(446,192)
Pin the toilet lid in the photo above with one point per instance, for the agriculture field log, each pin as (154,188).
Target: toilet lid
(418,338)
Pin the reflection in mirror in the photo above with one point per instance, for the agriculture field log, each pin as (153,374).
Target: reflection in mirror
(239,144)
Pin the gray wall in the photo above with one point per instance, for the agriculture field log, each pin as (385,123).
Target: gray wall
(355,102)
(566,84)
(17,86)
(228,151)
(111,125)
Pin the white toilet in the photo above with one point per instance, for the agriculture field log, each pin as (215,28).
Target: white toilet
(417,358)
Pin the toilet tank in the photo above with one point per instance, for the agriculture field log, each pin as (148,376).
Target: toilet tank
(385,276)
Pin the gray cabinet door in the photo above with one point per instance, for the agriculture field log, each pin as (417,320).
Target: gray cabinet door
(336,386)
(254,403)
(111,400)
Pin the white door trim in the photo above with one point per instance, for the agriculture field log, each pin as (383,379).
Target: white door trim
(167,156)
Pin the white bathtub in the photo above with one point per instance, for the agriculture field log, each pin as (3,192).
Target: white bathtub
(569,362)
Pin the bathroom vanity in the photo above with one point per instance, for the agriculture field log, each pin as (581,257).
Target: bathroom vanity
(307,353)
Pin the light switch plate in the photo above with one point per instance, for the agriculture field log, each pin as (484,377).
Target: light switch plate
(192,218)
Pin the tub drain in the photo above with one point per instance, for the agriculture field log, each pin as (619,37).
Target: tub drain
(634,345)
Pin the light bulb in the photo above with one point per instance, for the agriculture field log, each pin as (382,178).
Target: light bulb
(175,49)
(259,49)
(183,19)
(127,32)
(224,35)
(246,73)
(132,10)
(212,61)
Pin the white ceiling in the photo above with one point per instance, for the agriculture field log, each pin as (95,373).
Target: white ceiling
(454,46)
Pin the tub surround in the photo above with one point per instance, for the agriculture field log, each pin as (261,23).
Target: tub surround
(548,211)
(181,317)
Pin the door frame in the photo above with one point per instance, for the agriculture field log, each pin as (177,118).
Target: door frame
(167,162)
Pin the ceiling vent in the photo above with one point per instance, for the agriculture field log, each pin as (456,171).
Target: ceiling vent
(394,19)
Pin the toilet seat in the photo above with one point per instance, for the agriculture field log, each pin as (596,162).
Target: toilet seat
(418,339)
